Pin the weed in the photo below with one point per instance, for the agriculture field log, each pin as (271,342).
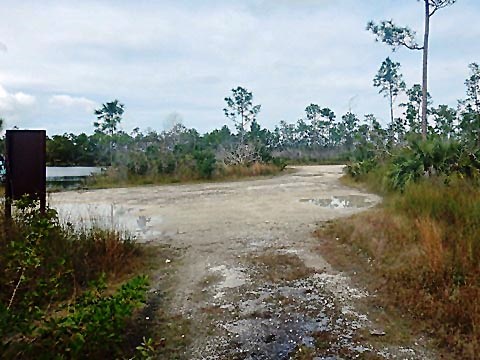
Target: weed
(115,178)
(53,287)
(424,246)
(146,350)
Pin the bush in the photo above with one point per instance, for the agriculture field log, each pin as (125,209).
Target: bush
(205,163)
(94,324)
(280,163)
(426,241)
(47,300)
(358,169)
(404,169)
(435,157)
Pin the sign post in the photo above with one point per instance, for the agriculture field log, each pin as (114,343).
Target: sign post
(26,167)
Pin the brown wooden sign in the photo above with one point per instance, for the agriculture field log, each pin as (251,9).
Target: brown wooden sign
(25,165)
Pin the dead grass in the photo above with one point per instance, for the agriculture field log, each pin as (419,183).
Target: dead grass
(277,267)
(303,352)
(421,266)
(105,251)
(323,343)
(114,179)
(430,236)
(242,171)
(172,335)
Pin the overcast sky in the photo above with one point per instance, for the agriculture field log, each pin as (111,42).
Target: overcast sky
(59,60)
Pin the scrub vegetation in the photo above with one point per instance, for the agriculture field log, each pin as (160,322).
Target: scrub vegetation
(66,292)
(179,154)
(423,247)
(422,244)
(424,240)
(72,292)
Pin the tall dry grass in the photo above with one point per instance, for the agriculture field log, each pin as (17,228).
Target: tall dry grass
(242,171)
(430,236)
(114,178)
(426,244)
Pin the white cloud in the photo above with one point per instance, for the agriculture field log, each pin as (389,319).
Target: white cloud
(23,99)
(11,102)
(185,56)
(72,102)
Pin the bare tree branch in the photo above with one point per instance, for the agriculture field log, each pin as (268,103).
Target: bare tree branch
(439,4)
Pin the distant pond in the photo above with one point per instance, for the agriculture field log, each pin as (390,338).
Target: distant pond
(69,176)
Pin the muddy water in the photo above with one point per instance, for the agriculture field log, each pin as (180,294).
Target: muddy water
(111,216)
(342,202)
(239,309)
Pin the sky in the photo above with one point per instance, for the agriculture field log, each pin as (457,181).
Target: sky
(60,60)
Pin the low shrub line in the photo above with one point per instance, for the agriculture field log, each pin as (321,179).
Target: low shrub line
(115,177)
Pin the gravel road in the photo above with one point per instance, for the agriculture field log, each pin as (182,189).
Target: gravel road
(249,279)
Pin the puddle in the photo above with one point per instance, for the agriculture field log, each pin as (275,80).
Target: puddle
(307,175)
(110,216)
(341,202)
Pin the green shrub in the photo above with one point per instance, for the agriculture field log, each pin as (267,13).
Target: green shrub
(435,157)
(205,163)
(280,163)
(48,304)
(358,169)
(404,169)
(94,324)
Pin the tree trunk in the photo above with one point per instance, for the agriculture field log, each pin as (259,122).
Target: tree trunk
(425,70)
(242,127)
(391,105)
(477,105)
(111,147)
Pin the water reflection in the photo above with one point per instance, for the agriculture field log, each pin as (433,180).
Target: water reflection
(341,202)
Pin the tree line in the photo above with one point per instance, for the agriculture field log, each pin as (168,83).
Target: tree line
(319,134)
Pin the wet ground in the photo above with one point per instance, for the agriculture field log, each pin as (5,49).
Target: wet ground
(250,279)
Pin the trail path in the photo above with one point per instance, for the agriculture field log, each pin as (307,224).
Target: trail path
(250,279)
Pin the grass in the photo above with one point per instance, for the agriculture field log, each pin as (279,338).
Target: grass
(240,171)
(113,178)
(421,250)
(65,289)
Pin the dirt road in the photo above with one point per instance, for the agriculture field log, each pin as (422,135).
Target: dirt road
(250,279)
